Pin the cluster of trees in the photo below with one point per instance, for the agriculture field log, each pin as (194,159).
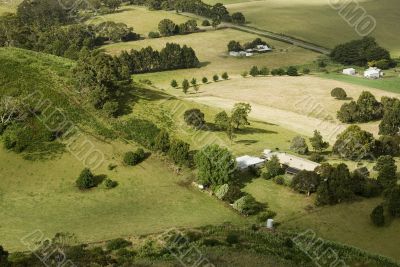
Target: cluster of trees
(193,82)
(172,56)
(236,46)
(46,26)
(264,71)
(167,27)
(177,150)
(217,12)
(366,109)
(238,118)
(300,146)
(361,52)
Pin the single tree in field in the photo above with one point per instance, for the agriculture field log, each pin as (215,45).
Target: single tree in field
(204,80)
(240,114)
(387,171)
(254,71)
(194,117)
(378,216)
(225,76)
(193,82)
(317,142)
(299,145)
(339,93)
(174,83)
(238,18)
(216,165)
(393,201)
(185,86)
(85,180)
(222,120)
(292,71)
(215,78)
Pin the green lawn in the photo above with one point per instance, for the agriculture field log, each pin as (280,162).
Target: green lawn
(316,21)
(211,49)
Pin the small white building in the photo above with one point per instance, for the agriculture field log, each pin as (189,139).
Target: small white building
(293,163)
(234,54)
(244,162)
(240,54)
(349,71)
(262,48)
(373,73)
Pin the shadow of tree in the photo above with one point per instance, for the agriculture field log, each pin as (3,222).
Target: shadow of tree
(251,130)
(246,142)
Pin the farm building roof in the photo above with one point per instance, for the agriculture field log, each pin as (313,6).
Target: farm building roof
(293,161)
(246,161)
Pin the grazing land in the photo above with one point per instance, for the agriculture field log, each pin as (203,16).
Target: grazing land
(315,21)
(211,49)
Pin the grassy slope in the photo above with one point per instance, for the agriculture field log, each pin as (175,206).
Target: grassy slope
(316,21)
(211,49)
(41,195)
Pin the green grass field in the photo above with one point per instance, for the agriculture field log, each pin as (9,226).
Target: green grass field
(211,49)
(315,21)
(140,18)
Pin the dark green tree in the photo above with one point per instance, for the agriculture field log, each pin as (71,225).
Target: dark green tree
(299,145)
(378,216)
(216,165)
(194,117)
(273,168)
(305,182)
(185,86)
(234,46)
(85,180)
(179,152)
(204,80)
(167,27)
(254,71)
(339,93)
(162,141)
(393,201)
(225,76)
(238,18)
(292,71)
(387,171)
(174,83)
(390,124)
(222,120)
(215,78)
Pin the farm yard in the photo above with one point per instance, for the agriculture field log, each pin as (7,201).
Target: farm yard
(175,126)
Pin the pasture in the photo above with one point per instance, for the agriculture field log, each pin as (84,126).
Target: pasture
(301,104)
(317,22)
(211,49)
(140,18)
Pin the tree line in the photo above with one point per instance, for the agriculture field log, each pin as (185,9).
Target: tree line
(237,46)
(217,12)
(167,27)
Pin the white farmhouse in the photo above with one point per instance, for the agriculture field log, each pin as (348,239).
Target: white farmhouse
(373,73)
(292,163)
(244,162)
(349,71)
(262,48)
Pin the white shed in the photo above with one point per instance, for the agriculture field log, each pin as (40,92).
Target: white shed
(246,161)
(373,73)
(349,71)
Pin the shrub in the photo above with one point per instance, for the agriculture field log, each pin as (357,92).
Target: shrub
(378,216)
(247,205)
(371,188)
(339,93)
(110,183)
(264,216)
(215,78)
(133,158)
(154,35)
(278,72)
(225,76)
(85,180)
(280,180)
(254,71)
(205,23)
(117,243)
(292,71)
(232,238)
(174,83)
(316,157)
(179,152)
(204,80)
(244,74)
(222,191)
(306,71)
(264,71)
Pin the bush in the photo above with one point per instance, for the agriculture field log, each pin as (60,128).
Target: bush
(247,205)
(225,76)
(292,71)
(232,239)
(222,191)
(117,243)
(264,71)
(264,216)
(134,158)
(339,93)
(306,71)
(154,35)
(316,157)
(174,83)
(141,131)
(85,180)
(372,188)
(280,180)
(205,23)
(194,117)
(110,183)
(278,72)
(215,78)
(378,216)
(204,80)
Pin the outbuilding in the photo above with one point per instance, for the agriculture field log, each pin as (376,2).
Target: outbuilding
(349,71)
(245,162)
(373,73)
